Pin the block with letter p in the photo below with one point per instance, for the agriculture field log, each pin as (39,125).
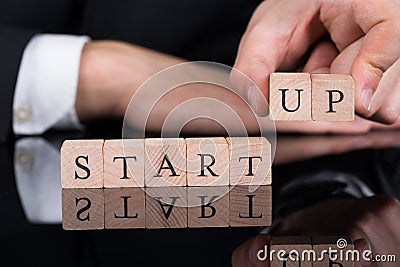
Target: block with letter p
(332,97)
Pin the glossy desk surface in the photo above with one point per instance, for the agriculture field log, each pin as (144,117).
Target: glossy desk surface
(318,183)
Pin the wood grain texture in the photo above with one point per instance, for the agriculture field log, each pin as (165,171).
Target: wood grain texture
(290,96)
(208,206)
(82,208)
(159,153)
(166,207)
(124,208)
(250,208)
(321,243)
(124,163)
(211,152)
(327,89)
(89,154)
(290,244)
(250,161)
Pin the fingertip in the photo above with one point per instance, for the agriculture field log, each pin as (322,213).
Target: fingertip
(252,84)
(366,78)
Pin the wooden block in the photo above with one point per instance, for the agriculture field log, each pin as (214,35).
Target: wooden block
(166,207)
(290,248)
(82,208)
(332,97)
(82,164)
(290,96)
(208,206)
(343,256)
(124,163)
(124,208)
(207,161)
(250,161)
(248,208)
(165,162)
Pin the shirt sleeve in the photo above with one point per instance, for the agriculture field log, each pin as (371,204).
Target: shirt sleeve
(47,83)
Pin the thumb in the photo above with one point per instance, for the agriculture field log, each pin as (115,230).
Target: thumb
(380,49)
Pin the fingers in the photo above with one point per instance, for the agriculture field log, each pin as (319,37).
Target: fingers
(246,254)
(389,108)
(321,57)
(278,34)
(380,49)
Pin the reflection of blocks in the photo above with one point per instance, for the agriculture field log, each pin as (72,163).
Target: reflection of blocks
(290,248)
(290,96)
(208,206)
(343,257)
(207,161)
(248,208)
(82,209)
(166,207)
(121,169)
(165,162)
(124,208)
(82,164)
(250,161)
(124,163)
(332,97)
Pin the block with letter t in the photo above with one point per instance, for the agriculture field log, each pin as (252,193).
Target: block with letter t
(249,207)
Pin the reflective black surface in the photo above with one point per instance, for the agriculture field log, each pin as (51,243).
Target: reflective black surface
(316,180)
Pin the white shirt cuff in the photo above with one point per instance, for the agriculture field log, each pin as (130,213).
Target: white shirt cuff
(47,83)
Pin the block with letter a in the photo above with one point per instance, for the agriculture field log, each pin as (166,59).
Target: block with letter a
(165,162)
(166,207)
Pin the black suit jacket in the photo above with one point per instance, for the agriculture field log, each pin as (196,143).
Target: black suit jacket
(192,29)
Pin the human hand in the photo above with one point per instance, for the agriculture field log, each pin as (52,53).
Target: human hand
(110,72)
(372,223)
(367,32)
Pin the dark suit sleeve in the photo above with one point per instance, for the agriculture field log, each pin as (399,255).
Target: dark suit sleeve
(12,45)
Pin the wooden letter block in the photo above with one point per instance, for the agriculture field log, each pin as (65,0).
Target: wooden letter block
(207,161)
(208,206)
(250,161)
(248,208)
(166,207)
(124,208)
(288,251)
(124,163)
(82,164)
(82,209)
(165,162)
(332,97)
(343,247)
(290,96)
